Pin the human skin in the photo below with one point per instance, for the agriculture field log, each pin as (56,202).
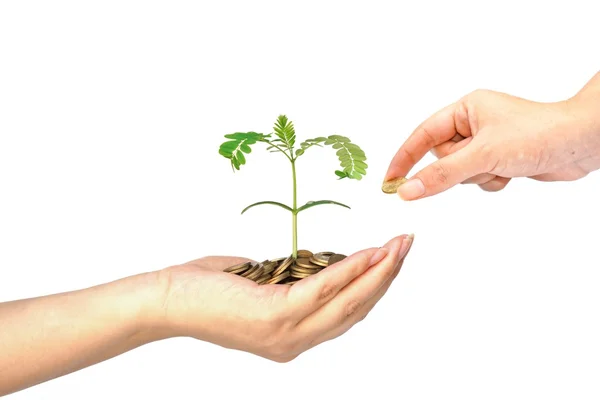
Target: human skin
(48,337)
(487,138)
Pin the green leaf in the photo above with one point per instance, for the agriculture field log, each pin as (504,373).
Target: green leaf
(240,157)
(284,129)
(352,158)
(239,144)
(235,163)
(355,157)
(225,153)
(341,174)
(356,175)
(311,204)
(309,143)
(247,135)
(267,202)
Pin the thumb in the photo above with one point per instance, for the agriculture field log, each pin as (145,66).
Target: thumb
(442,174)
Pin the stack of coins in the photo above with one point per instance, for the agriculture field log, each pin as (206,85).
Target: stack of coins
(286,270)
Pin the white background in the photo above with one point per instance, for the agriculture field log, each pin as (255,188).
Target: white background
(111,114)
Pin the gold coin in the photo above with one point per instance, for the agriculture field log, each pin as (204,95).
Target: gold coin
(263,279)
(336,258)
(320,263)
(391,186)
(278,278)
(238,268)
(278,260)
(297,268)
(305,263)
(251,270)
(256,274)
(300,275)
(321,258)
(269,266)
(283,266)
(304,254)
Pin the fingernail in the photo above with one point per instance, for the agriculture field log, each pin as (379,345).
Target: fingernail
(378,256)
(412,189)
(406,244)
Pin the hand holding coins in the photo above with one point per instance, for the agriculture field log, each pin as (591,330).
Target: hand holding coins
(286,270)
(274,321)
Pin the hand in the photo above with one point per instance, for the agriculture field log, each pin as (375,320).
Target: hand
(277,322)
(487,138)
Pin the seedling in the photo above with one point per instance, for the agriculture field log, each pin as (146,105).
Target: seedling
(283,140)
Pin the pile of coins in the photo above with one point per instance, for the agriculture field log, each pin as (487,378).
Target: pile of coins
(286,270)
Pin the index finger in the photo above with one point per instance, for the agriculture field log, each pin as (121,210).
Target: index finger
(437,129)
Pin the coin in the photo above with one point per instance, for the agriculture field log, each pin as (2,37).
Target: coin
(305,263)
(251,270)
(278,278)
(391,186)
(321,263)
(263,279)
(258,272)
(269,266)
(286,270)
(321,258)
(336,258)
(304,254)
(297,268)
(238,268)
(300,275)
(283,266)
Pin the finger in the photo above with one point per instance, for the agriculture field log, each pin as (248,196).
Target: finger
(457,138)
(353,297)
(544,178)
(443,174)
(438,129)
(449,147)
(361,314)
(481,179)
(496,184)
(311,293)
(565,176)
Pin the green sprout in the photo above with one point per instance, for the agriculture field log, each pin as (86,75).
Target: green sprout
(283,140)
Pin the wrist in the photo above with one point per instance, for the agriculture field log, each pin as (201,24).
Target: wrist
(141,299)
(580,132)
(586,104)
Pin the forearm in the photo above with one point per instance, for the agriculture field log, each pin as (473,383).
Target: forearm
(47,337)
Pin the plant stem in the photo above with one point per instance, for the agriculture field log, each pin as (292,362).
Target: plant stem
(295,203)
(294,215)
(282,151)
